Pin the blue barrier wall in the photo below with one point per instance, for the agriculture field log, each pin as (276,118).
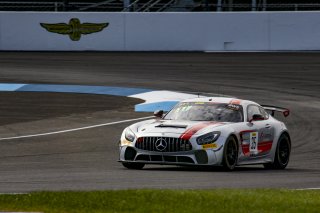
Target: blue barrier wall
(201,31)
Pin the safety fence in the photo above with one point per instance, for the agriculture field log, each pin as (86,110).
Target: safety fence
(160,5)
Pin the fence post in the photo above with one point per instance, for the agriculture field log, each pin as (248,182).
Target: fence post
(126,4)
(264,5)
(254,5)
(219,5)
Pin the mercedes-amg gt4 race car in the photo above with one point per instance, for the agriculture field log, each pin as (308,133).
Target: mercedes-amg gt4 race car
(211,131)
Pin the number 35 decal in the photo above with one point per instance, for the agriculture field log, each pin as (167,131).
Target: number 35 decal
(254,142)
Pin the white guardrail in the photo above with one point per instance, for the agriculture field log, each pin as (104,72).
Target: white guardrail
(245,31)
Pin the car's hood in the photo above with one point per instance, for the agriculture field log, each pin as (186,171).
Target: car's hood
(177,127)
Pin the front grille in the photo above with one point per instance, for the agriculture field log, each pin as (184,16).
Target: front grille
(165,159)
(163,144)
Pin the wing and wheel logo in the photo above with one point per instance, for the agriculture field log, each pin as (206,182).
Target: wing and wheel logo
(74,28)
(161,144)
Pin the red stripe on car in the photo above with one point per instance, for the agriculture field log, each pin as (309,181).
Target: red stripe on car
(245,149)
(194,129)
(264,146)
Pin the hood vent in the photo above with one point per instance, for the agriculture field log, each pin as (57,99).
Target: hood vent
(171,126)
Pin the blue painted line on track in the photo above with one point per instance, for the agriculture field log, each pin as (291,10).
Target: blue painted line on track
(151,107)
(99,90)
(10,87)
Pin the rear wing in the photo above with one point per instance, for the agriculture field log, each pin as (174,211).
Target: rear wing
(274,109)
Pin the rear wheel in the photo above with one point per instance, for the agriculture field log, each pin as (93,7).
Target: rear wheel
(281,158)
(230,154)
(133,165)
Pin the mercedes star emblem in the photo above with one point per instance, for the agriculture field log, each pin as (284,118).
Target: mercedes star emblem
(161,144)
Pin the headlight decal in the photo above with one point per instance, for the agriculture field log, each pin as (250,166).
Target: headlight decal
(208,138)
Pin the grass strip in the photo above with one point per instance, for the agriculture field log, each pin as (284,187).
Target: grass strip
(166,201)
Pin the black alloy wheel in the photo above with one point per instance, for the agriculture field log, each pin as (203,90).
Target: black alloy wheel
(230,154)
(282,155)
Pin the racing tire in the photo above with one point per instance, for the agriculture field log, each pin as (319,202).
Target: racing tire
(230,154)
(137,166)
(282,155)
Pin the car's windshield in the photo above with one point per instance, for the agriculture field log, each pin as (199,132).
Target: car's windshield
(206,111)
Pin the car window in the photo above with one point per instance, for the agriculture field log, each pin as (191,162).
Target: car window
(255,109)
(264,113)
(206,111)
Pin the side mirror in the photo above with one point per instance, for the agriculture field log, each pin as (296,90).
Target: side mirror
(256,117)
(158,113)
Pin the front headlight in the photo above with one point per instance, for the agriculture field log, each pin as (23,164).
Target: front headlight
(129,135)
(208,138)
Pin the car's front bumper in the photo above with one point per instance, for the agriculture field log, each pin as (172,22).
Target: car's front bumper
(199,157)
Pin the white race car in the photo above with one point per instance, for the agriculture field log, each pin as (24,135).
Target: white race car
(211,131)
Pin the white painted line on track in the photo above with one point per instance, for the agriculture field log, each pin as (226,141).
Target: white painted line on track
(20,212)
(75,129)
(308,189)
(14,193)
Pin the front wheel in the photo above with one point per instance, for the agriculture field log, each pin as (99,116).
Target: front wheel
(230,154)
(281,158)
(133,165)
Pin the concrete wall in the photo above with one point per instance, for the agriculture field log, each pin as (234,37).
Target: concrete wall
(250,31)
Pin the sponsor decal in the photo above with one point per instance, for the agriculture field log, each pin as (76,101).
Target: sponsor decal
(209,146)
(235,101)
(125,143)
(253,142)
(74,28)
(234,107)
(252,145)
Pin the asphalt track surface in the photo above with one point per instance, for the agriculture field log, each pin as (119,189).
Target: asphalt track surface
(87,159)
